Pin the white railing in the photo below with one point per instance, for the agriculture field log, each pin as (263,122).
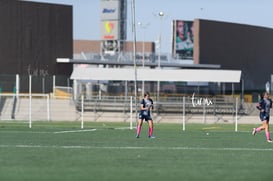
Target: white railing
(23,107)
(43,107)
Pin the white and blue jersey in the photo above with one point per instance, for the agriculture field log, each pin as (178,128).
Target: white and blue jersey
(265,105)
(146,114)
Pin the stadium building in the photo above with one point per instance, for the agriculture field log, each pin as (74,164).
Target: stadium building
(216,45)
(32,36)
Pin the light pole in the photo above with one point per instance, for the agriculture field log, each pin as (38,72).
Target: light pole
(143,27)
(134,53)
(161,15)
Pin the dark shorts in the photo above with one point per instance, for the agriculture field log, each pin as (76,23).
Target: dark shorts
(264,117)
(145,117)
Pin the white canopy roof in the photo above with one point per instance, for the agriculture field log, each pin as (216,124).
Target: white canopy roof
(182,75)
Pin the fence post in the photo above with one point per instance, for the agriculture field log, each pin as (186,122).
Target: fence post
(48,108)
(204,114)
(54,84)
(236,114)
(82,107)
(17,86)
(30,102)
(131,112)
(183,115)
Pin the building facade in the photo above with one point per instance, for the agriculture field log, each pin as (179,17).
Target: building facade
(32,36)
(236,46)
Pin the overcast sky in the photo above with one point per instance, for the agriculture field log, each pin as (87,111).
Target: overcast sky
(86,16)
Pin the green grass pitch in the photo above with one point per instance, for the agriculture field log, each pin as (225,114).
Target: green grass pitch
(109,151)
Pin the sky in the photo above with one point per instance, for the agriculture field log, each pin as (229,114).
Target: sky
(86,16)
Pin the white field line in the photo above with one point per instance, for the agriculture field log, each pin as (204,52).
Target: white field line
(88,130)
(121,128)
(135,148)
(27,132)
(97,129)
(62,132)
(74,131)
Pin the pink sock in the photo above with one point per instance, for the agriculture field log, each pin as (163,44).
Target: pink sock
(258,129)
(150,131)
(267,134)
(138,130)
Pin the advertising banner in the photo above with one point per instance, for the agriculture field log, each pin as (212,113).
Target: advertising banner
(110,10)
(109,30)
(183,39)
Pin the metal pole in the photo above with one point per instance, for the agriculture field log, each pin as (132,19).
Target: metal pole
(236,115)
(183,121)
(82,111)
(143,55)
(131,112)
(134,54)
(161,14)
(17,85)
(54,84)
(48,107)
(143,27)
(30,102)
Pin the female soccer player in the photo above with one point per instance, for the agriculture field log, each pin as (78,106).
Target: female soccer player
(146,105)
(264,106)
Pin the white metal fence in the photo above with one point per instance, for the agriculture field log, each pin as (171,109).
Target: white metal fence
(183,110)
(24,107)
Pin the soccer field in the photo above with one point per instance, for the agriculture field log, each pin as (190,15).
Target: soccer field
(110,151)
